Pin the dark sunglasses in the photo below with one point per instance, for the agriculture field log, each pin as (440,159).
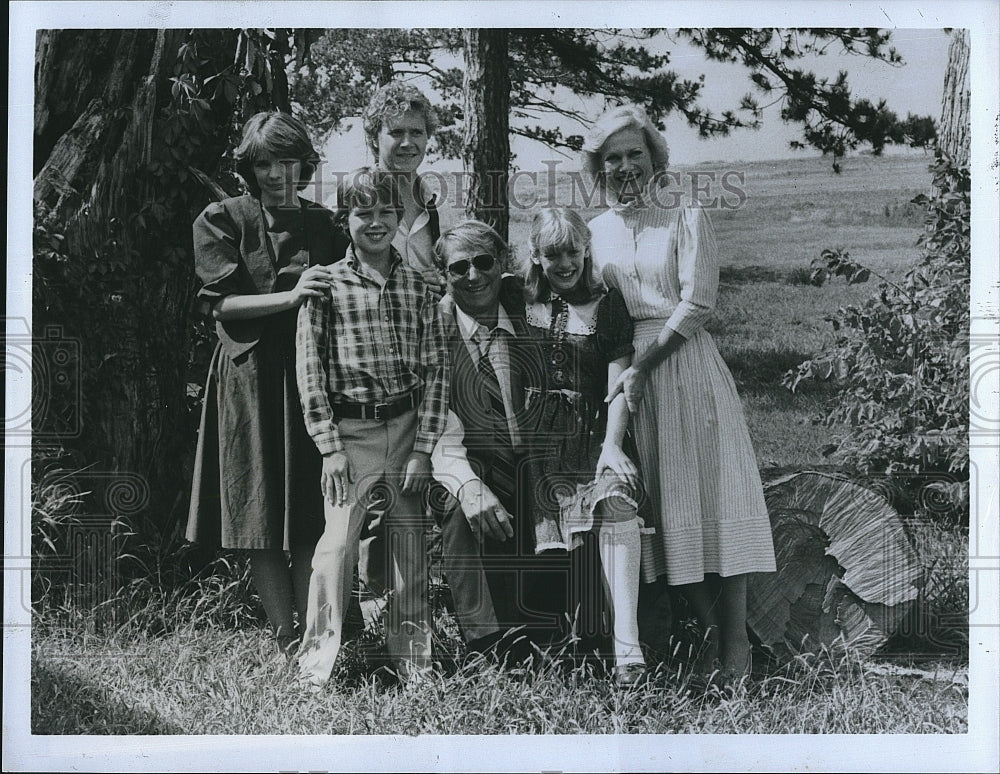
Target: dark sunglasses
(482,262)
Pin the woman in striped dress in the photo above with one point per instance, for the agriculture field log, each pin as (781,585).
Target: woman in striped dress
(697,461)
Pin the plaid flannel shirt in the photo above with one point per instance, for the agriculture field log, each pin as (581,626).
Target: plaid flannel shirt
(372,343)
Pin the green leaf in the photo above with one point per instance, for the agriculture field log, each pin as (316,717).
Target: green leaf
(818,276)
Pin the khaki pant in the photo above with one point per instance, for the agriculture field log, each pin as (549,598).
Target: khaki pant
(377,451)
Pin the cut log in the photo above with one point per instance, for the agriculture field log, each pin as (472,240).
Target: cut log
(846,572)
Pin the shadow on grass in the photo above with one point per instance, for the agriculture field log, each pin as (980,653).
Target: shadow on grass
(63,703)
(761,371)
(742,275)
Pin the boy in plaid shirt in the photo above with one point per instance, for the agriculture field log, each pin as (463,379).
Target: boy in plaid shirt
(373,376)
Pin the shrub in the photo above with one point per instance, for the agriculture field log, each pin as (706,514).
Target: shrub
(938,625)
(54,502)
(107,572)
(900,360)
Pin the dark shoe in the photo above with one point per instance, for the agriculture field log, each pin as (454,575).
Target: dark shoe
(511,648)
(486,646)
(288,645)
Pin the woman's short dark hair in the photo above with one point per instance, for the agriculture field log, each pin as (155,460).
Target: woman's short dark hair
(276,134)
(392,100)
(365,187)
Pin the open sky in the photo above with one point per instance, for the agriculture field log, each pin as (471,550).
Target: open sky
(914,87)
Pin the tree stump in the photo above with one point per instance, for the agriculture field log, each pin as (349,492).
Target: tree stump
(846,572)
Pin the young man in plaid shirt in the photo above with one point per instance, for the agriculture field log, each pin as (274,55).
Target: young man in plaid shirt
(373,376)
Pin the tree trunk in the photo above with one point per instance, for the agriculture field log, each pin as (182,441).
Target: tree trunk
(486,153)
(953,136)
(80,78)
(116,182)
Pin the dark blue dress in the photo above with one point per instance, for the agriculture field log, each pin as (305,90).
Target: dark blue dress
(256,481)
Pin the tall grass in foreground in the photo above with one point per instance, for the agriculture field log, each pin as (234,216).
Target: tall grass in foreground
(199,674)
(231,682)
(198,659)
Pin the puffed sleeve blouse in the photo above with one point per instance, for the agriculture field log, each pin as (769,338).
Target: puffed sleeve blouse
(614,327)
(664,260)
(233,255)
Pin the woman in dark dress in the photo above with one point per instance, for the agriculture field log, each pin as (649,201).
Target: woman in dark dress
(256,481)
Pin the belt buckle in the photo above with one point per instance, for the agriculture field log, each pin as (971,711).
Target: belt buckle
(377,411)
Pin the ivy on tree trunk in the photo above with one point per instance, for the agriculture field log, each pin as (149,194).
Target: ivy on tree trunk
(132,130)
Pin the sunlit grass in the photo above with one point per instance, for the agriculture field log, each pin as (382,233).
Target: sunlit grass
(233,682)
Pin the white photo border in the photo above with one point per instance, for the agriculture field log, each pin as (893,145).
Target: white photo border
(975,751)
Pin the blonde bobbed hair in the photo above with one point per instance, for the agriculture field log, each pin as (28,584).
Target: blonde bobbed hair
(613,121)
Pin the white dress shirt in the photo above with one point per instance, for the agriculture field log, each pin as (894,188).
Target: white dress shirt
(449,460)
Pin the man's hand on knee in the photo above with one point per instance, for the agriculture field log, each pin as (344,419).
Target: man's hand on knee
(485,514)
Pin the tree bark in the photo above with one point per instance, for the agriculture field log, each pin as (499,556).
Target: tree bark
(122,197)
(486,152)
(80,78)
(954,134)
(73,69)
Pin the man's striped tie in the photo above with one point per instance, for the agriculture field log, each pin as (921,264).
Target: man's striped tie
(503,478)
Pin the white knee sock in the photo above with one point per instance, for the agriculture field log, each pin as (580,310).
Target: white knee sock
(619,548)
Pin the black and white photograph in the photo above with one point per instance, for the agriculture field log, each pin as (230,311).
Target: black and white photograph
(502,386)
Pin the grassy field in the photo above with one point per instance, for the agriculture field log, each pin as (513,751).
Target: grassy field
(793,211)
(768,317)
(130,681)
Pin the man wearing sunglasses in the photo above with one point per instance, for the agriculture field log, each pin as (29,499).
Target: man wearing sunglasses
(497,581)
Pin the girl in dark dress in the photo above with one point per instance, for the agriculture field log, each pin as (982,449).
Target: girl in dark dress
(256,481)
(585,481)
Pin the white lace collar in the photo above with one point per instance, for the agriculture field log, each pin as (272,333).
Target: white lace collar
(582,317)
